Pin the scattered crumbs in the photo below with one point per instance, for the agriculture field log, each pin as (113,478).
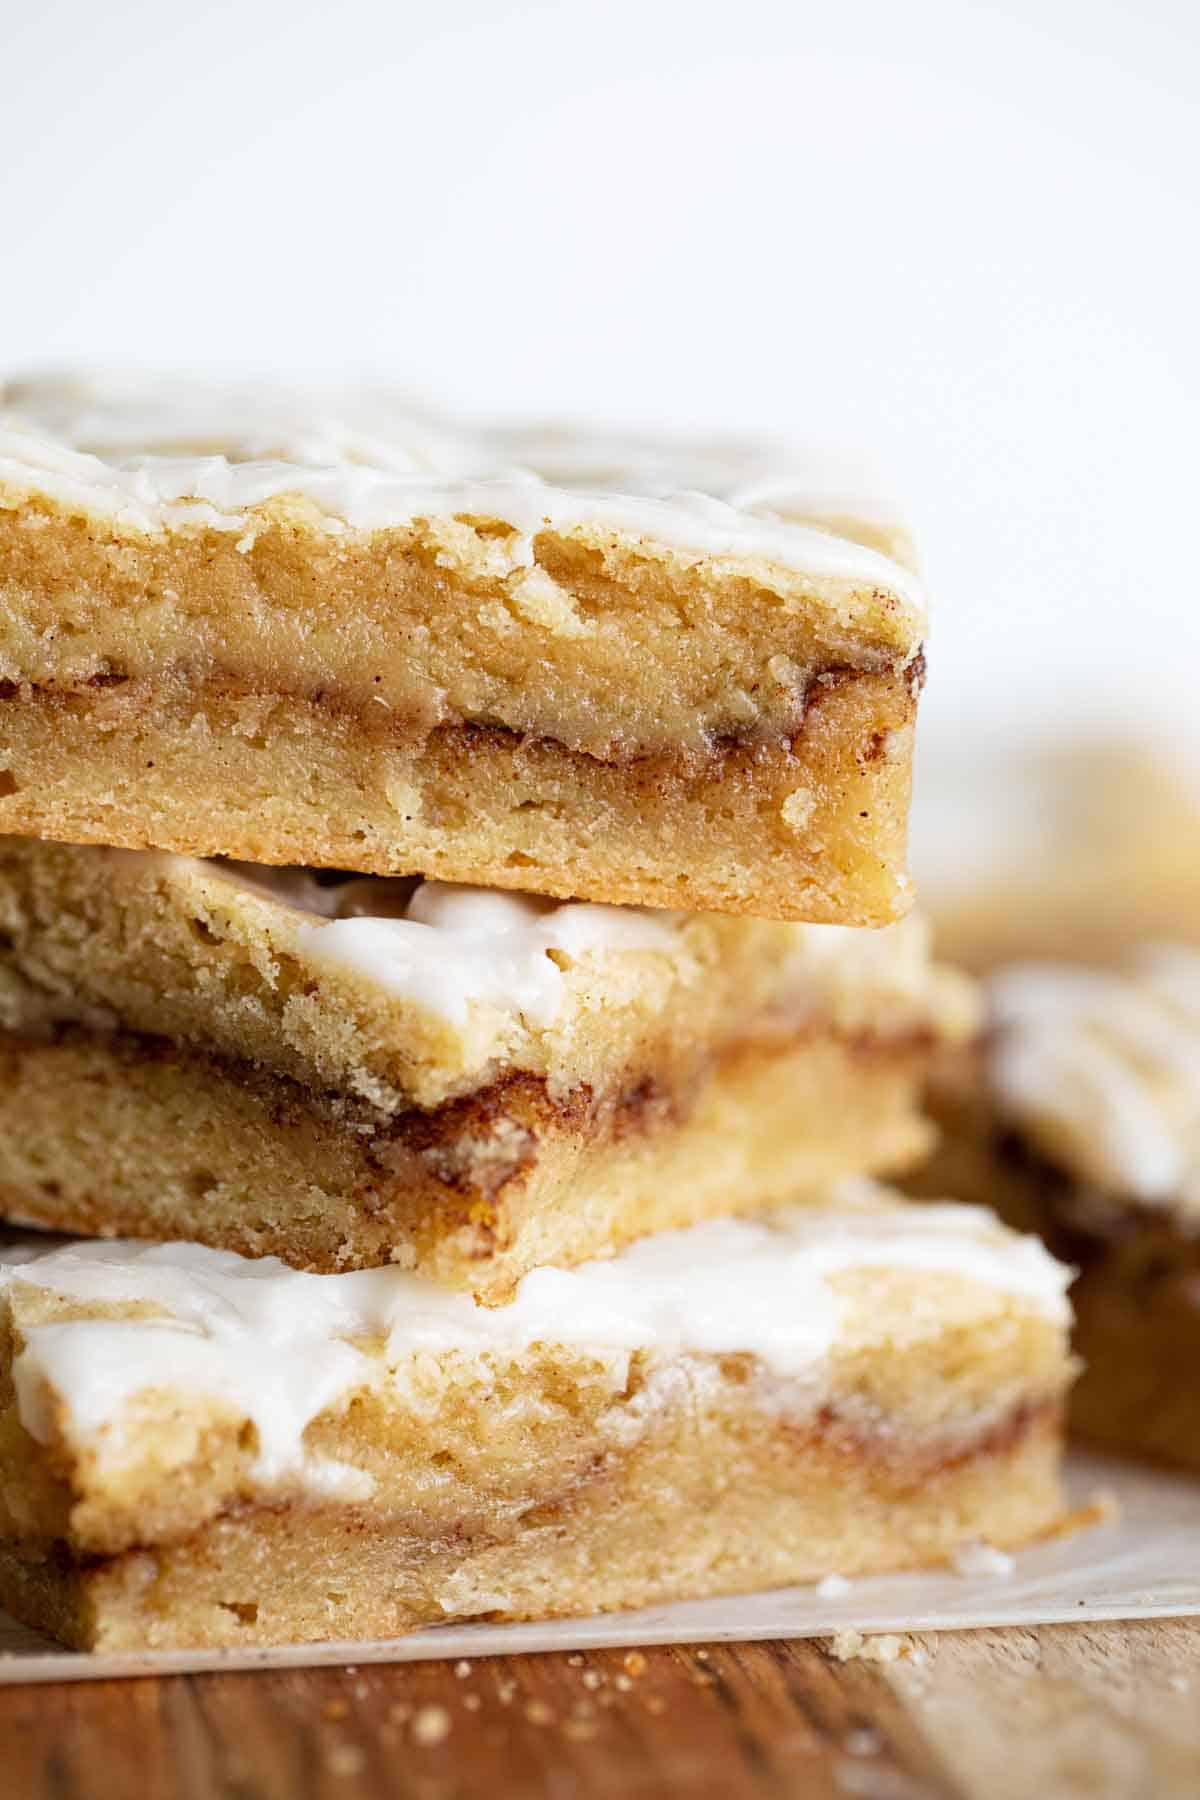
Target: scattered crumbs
(702,1656)
(350,1669)
(345,1759)
(538,1713)
(701,1678)
(505,1691)
(797,810)
(431,1726)
(864,1740)
(462,1669)
(592,1678)
(881,1646)
(361,1690)
(335,1709)
(833,1587)
(472,1702)
(575,1660)
(977,1558)
(655,1703)
(623,1683)
(635,1662)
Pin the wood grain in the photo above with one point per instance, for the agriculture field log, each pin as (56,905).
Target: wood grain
(1061,1713)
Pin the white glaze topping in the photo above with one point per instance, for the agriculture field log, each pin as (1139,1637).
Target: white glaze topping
(280,1347)
(1102,1070)
(490,949)
(447,947)
(155,455)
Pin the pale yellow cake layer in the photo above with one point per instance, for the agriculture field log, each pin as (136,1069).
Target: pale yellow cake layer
(613,649)
(866,1387)
(123,1137)
(412,657)
(811,828)
(753,1505)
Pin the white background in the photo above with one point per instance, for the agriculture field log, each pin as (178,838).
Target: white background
(961,237)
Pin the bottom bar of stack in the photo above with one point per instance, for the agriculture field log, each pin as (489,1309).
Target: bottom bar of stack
(199,1449)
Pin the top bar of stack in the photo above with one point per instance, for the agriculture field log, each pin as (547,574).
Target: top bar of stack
(233,627)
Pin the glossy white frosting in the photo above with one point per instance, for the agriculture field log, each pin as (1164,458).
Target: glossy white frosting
(150,455)
(1102,1069)
(280,1347)
(445,947)
(448,949)
(463,946)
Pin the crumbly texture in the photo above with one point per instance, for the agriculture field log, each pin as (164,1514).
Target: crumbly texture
(638,650)
(178,949)
(718,717)
(672,1526)
(119,1136)
(562,1485)
(1137,1294)
(811,827)
(179,1063)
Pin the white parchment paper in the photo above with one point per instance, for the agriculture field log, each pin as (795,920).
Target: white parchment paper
(1141,1563)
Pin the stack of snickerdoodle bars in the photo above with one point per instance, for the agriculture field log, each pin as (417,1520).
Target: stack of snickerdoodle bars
(454,976)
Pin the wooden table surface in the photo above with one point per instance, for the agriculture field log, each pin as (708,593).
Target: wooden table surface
(1055,1713)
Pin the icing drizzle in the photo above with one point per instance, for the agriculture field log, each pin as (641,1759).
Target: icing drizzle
(1102,1069)
(280,1347)
(152,455)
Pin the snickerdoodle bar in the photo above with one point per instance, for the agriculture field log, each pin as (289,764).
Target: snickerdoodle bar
(230,626)
(196,1449)
(347,1071)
